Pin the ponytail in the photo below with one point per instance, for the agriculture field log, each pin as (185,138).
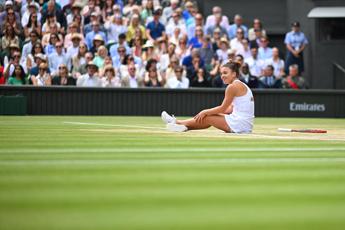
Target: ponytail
(234,66)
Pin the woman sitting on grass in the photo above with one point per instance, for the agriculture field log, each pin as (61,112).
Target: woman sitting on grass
(235,114)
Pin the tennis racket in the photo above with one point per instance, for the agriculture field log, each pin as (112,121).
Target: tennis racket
(302,130)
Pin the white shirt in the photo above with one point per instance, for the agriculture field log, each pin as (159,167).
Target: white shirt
(255,66)
(237,45)
(174,83)
(278,66)
(87,81)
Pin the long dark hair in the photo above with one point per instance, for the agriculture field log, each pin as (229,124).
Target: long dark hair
(30,23)
(33,48)
(22,75)
(234,66)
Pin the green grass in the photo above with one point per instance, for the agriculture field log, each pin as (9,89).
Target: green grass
(57,175)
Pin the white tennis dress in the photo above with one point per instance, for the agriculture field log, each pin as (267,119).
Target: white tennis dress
(241,119)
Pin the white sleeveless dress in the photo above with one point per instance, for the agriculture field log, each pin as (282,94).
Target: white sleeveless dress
(241,119)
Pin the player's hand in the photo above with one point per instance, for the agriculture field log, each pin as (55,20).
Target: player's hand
(200,116)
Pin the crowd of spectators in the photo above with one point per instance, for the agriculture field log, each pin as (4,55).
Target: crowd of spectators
(145,43)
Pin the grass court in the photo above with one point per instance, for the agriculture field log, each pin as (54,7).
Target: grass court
(62,172)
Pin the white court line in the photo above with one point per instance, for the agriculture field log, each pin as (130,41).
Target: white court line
(168,150)
(112,125)
(171,161)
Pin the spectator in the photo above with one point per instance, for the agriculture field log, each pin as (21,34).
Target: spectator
(155,29)
(236,43)
(18,77)
(179,81)
(188,60)
(247,78)
(110,79)
(10,19)
(33,26)
(206,52)
(165,58)
(12,59)
(107,11)
(73,33)
(246,53)
(295,42)
(43,78)
(28,60)
(92,35)
(62,77)
(264,52)
(8,7)
(118,59)
(277,63)
(27,48)
(31,9)
(102,53)
(38,59)
(294,80)
(147,11)
(200,80)
(46,39)
(73,49)
(90,79)
(9,38)
(133,27)
(132,78)
(216,39)
(182,49)
(128,8)
(57,58)
(89,9)
(222,52)
(257,25)
(196,41)
(97,42)
(137,47)
(122,42)
(114,27)
(149,51)
(211,19)
(169,11)
(170,72)
(152,76)
(80,62)
(268,80)
(175,22)
(255,64)
(75,11)
(238,23)
(217,25)
(198,22)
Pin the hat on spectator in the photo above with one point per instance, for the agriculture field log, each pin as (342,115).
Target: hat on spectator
(33,4)
(224,40)
(40,56)
(94,14)
(77,5)
(231,51)
(116,7)
(90,63)
(76,36)
(157,10)
(98,37)
(14,45)
(295,24)
(149,44)
(8,3)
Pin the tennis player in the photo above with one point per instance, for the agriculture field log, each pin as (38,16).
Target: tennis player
(235,114)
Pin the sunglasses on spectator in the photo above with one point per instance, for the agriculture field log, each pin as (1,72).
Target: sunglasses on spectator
(131,68)
(42,69)
(16,56)
(62,67)
(58,46)
(122,51)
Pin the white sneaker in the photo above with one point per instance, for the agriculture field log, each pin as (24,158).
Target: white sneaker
(167,118)
(176,128)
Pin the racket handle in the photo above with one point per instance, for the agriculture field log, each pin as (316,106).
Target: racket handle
(284,130)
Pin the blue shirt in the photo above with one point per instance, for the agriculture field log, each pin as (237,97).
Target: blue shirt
(113,49)
(295,39)
(264,54)
(156,29)
(91,35)
(194,42)
(233,30)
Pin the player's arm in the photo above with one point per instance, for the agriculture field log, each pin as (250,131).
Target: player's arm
(230,93)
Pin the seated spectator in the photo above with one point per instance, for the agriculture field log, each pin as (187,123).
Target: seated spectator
(197,22)
(155,29)
(179,81)
(206,52)
(90,79)
(38,59)
(57,58)
(51,20)
(137,47)
(211,19)
(170,72)
(43,78)
(152,76)
(182,49)
(28,61)
(73,49)
(264,52)
(188,60)
(149,52)
(257,25)
(247,78)
(89,9)
(90,37)
(133,27)
(169,11)
(196,41)
(62,78)
(200,80)
(102,53)
(238,23)
(9,38)
(246,53)
(268,80)
(28,47)
(165,58)
(79,62)
(18,77)
(217,25)
(277,63)
(294,80)
(122,42)
(73,34)
(255,64)
(175,22)
(53,30)
(147,11)
(89,25)
(10,60)
(132,78)
(114,27)
(50,47)
(119,59)
(222,52)
(107,10)
(30,10)
(216,40)
(129,7)
(75,11)
(110,79)
(10,19)
(236,42)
